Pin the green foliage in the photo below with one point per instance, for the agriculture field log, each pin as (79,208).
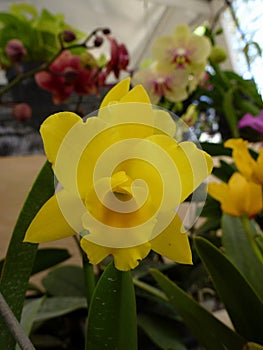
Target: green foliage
(65,281)
(241,301)
(39,32)
(20,256)
(112,319)
(209,330)
(238,248)
(161,331)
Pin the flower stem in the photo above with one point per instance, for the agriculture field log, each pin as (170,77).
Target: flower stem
(89,278)
(152,290)
(14,326)
(246,226)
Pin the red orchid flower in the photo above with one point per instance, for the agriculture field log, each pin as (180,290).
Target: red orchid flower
(67,75)
(119,58)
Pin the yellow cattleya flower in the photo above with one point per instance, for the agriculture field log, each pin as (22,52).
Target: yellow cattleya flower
(122,176)
(239,196)
(252,169)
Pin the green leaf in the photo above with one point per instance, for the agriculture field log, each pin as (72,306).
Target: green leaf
(112,322)
(238,249)
(49,257)
(23,10)
(216,149)
(46,258)
(28,316)
(242,303)
(253,346)
(161,331)
(210,224)
(210,332)
(59,306)
(65,281)
(212,208)
(20,256)
(225,171)
(230,112)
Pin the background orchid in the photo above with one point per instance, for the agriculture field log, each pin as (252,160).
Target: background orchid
(253,122)
(178,65)
(61,63)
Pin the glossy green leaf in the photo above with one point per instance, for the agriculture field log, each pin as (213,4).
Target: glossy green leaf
(28,316)
(65,281)
(216,149)
(241,302)
(20,256)
(112,321)
(225,171)
(212,208)
(49,257)
(58,306)
(46,258)
(209,225)
(210,332)
(238,249)
(230,112)
(252,346)
(161,331)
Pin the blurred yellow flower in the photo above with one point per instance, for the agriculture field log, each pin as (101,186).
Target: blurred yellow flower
(123,176)
(239,196)
(252,169)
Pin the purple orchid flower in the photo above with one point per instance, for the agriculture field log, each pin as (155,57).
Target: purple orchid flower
(254,122)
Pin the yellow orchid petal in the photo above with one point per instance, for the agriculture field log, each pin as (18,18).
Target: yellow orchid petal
(255,201)
(79,152)
(54,129)
(163,122)
(219,191)
(117,92)
(239,197)
(192,164)
(136,94)
(242,158)
(173,243)
(124,258)
(246,195)
(257,175)
(50,224)
(95,253)
(128,258)
(182,34)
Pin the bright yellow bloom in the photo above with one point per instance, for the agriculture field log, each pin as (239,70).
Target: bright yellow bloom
(123,176)
(252,169)
(239,196)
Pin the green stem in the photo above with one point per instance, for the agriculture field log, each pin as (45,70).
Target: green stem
(246,225)
(89,278)
(152,290)
(14,326)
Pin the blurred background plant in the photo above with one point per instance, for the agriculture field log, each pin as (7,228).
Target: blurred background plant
(185,71)
(50,65)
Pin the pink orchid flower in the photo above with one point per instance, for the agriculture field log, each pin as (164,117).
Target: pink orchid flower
(67,75)
(254,122)
(160,82)
(119,58)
